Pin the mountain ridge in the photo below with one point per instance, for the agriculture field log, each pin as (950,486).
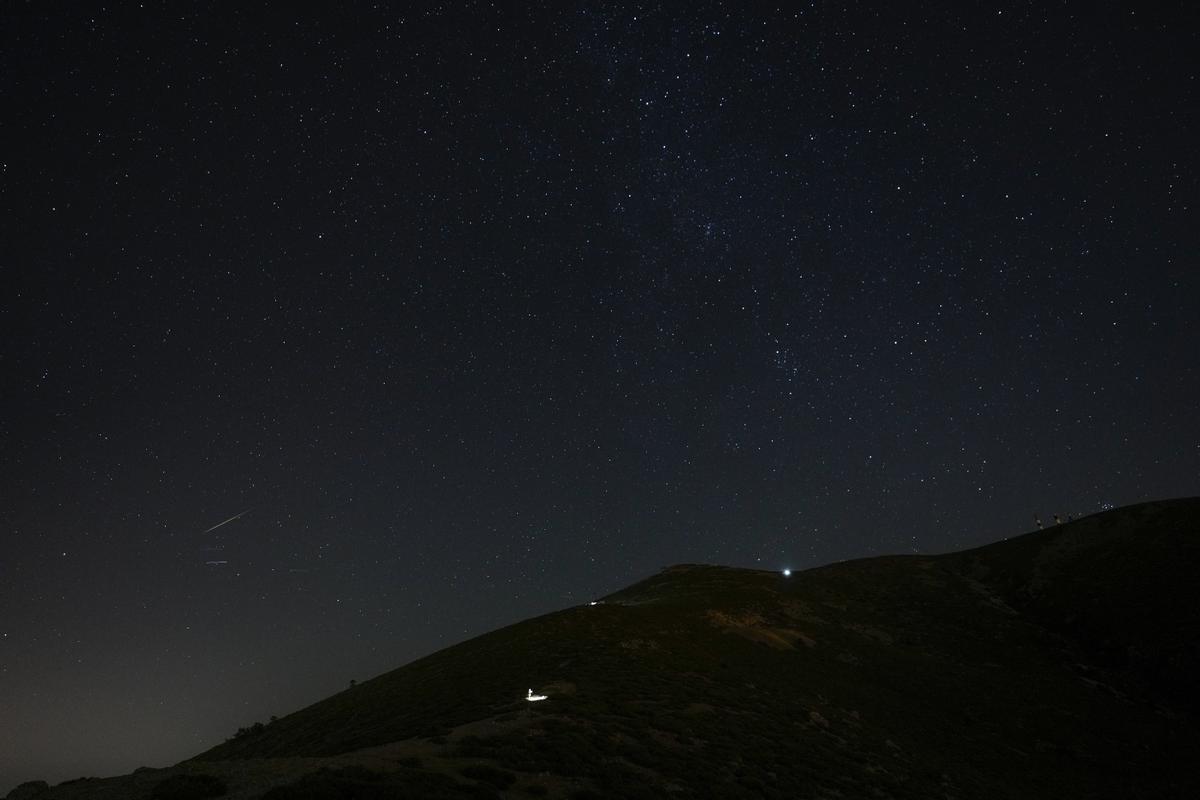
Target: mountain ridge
(1053,662)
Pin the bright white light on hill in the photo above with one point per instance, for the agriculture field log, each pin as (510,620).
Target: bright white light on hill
(533,698)
(787,573)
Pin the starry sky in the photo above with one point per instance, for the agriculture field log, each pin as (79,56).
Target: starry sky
(472,311)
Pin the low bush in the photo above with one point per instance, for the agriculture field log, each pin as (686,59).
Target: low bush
(499,778)
(189,787)
(29,790)
(358,783)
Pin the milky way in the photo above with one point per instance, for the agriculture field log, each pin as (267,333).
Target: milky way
(487,312)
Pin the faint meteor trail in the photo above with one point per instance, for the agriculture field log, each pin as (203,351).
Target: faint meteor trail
(226,522)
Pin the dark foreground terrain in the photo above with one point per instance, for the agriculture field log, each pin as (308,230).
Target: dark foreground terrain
(1057,664)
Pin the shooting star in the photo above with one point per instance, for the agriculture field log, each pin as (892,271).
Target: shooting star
(226,522)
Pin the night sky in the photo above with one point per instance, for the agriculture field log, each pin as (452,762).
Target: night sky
(480,311)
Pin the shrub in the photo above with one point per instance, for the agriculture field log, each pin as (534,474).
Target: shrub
(29,790)
(250,731)
(356,783)
(189,787)
(496,777)
(353,772)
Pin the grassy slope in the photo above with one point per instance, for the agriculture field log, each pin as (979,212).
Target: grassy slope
(1123,584)
(1000,672)
(1055,664)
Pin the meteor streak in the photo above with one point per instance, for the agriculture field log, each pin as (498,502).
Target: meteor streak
(226,522)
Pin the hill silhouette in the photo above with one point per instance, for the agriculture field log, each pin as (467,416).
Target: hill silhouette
(1060,663)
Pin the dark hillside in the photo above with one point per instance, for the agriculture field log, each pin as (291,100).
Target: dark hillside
(1122,585)
(1016,670)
